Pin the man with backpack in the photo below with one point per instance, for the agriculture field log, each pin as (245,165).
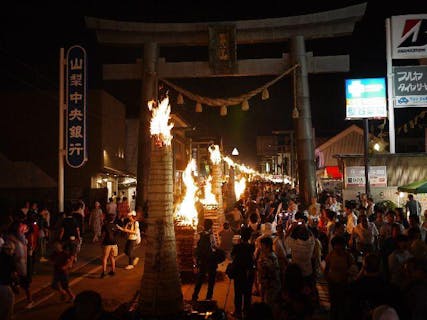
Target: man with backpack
(206,261)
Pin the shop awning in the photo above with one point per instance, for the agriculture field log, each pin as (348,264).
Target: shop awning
(333,172)
(414,187)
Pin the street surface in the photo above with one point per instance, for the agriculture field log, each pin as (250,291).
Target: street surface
(116,290)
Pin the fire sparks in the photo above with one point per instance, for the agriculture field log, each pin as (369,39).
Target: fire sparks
(186,213)
(159,124)
(209,196)
(239,187)
(215,154)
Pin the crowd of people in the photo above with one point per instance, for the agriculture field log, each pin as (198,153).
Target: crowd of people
(373,260)
(31,235)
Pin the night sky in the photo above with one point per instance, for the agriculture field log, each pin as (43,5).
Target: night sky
(32,35)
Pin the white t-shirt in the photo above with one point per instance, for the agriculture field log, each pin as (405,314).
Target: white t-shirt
(301,252)
(366,236)
(132,226)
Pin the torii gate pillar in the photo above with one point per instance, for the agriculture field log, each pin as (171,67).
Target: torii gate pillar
(148,92)
(303,124)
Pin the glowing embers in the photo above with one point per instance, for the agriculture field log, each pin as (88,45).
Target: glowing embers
(239,187)
(209,198)
(159,124)
(186,212)
(215,154)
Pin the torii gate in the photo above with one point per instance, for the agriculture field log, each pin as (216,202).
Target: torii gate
(161,293)
(150,36)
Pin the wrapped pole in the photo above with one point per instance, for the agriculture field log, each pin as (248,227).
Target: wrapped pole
(161,293)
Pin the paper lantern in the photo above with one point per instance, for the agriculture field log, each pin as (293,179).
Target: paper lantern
(199,107)
(223,111)
(295,113)
(180,99)
(245,105)
(265,94)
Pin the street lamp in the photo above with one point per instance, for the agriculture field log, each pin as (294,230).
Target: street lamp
(377,147)
(235,152)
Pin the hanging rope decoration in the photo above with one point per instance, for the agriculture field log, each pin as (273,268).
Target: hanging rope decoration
(295,112)
(411,123)
(223,103)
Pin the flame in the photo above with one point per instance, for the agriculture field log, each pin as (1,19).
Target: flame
(239,187)
(229,161)
(186,212)
(215,154)
(209,196)
(159,125)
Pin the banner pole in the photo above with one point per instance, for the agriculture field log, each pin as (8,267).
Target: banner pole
(390,102)
(61,133)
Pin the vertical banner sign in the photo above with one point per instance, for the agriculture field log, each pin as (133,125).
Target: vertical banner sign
(76,107)
(222,49)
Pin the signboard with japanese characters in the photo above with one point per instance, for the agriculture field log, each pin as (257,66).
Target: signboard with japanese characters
(410,86)
(222,49)
(355,176)
(409,36)
(365,98)
(76,82)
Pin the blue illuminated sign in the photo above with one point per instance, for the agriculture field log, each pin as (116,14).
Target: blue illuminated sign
(366,98)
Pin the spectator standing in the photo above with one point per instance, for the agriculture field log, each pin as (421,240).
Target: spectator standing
(365,236)
(43,223)
(131,229)
(69,235)
(280,250)
(226,238)
(8,276)
(269,275)
(205,260)
(401,218)
(337,270)
(413,206)
(95,221)
(62,262)
(370,290)
(111,207)
(78,209)
(244,265)
(397,259)
(109,244)
(123,209)
(297,301)
(351,221)
(313,210)
(17,236)
(301,243)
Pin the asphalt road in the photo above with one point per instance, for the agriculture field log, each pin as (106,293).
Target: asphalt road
(117,291)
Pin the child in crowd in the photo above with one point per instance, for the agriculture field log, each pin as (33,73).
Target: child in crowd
(226,238)
(62,262)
